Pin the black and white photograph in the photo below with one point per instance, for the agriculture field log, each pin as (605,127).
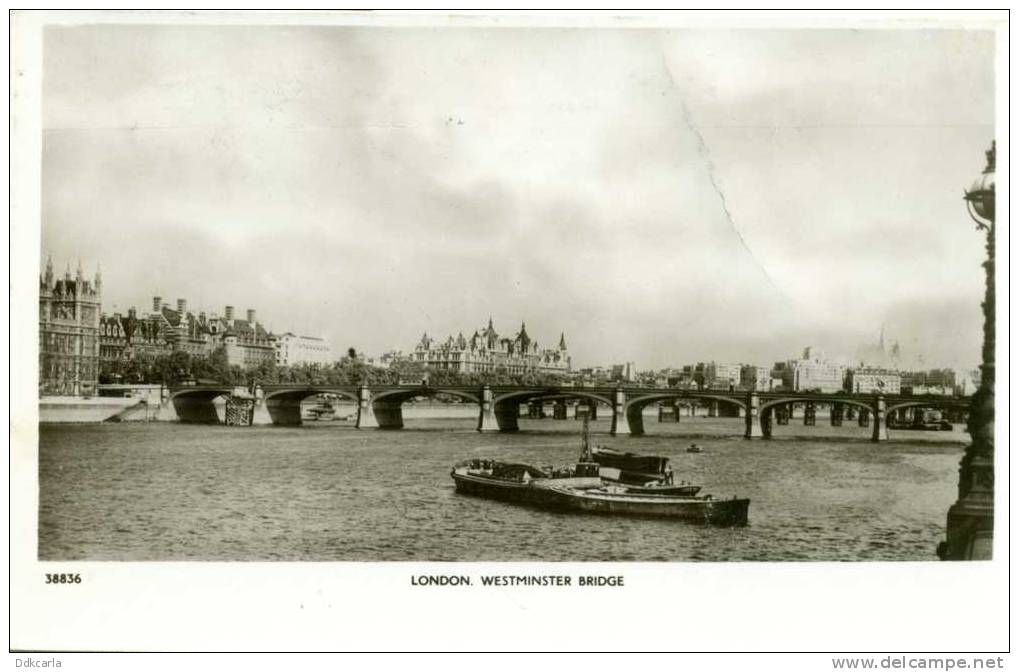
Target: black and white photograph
(335,290)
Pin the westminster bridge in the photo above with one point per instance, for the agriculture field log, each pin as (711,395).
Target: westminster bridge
(499,406)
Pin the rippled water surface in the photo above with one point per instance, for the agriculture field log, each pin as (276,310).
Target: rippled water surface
(325,491)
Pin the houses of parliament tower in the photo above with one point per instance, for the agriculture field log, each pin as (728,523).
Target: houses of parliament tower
(69,333)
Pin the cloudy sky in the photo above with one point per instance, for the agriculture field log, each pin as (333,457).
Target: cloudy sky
(663,197)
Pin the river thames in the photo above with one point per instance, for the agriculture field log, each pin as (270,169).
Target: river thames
(328,492)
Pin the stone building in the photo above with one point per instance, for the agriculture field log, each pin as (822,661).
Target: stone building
(873,380)
(294,349)
(246,341)
(165,330)
(485,352)
(812,372)
(934,381)
(69,311)
(715,376)
(757,378)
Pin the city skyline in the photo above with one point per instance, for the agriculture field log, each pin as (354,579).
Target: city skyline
(638,190)
(880,353)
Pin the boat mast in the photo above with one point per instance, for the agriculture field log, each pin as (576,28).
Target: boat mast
(585,445)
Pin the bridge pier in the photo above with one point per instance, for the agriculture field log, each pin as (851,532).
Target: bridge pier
(486,416)
(261,415)
(198,410)
(503,416)
(507,416)
(668,412)
(559,411)
(283,410)
(388,413)
(712,409)
(880,431)
(365,411)
(835,414)
(621,417)
(586,408)
(809,414)
(750,416)
(766,417)
(863,419)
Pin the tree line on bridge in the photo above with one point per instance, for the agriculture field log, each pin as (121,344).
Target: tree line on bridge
(180,367)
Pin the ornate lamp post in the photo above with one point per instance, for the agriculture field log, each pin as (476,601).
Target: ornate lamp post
(971,519)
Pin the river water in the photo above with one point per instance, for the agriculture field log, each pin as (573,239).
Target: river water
(328,492)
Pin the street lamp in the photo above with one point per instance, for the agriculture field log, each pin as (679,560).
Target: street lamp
(971,519)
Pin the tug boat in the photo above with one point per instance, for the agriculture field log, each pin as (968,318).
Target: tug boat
(580,488)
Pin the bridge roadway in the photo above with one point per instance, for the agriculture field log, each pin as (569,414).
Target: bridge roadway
(380,406)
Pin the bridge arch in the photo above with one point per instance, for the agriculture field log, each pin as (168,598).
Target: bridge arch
(944,404)
(506,405)
(201,392)
(284,404)
(873,406)
(387,405)
(768,405)
(310,391)
(524,396)
(953,404)
(195,404)
(632,411)
(404,395)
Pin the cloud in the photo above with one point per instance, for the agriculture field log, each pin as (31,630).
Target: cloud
(368,184)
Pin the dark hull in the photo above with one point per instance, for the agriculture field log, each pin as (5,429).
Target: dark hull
(666,490)
(505,491)
(562,497)
(636,477)
(722,512)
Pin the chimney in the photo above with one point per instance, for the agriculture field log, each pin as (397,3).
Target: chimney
(182,306)
(229,314)
(251,315)
(157,303)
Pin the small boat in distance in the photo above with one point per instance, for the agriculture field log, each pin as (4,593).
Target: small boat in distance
(694,448)
(323,411)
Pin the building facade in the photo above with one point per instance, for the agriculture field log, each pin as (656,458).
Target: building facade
(716,376)
(934,381)
(294,349)
(165,330)
(486,352)
(69,312)
(811,373)
(756,378)
(873,380)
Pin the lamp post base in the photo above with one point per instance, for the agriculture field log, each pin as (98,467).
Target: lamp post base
(970,534)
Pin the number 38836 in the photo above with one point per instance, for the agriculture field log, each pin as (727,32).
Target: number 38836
(63,578)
